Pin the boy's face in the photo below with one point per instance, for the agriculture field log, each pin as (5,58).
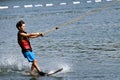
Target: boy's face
(22,28)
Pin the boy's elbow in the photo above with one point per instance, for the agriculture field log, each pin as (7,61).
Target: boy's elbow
(29,35)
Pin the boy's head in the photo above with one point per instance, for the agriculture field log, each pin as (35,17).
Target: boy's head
(20,24)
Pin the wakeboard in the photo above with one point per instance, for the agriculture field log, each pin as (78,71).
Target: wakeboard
(50,73)
(54,72)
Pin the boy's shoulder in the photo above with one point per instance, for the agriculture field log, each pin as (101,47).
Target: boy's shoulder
(22,32)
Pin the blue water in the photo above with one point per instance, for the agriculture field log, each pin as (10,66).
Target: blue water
(87,49)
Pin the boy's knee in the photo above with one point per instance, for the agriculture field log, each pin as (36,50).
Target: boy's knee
(35,61)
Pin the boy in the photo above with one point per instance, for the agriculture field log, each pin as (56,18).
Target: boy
(23,41)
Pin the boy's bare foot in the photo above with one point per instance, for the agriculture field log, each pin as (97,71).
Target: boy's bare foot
(32,73)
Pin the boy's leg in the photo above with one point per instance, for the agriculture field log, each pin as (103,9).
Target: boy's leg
(31,58)
(32,69)
(35,65)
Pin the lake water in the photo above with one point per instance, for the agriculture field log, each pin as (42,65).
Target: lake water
(87,49)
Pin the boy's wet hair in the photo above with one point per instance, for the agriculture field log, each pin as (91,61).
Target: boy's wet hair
(19,24)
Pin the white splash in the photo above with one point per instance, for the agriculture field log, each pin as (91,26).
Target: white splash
(51,72)
(65,67)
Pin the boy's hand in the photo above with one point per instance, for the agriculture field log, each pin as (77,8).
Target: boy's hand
(56,28)
(41,34)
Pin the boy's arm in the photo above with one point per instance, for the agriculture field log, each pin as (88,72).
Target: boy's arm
(32,35)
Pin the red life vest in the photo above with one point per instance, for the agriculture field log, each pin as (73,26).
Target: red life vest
(24,42)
